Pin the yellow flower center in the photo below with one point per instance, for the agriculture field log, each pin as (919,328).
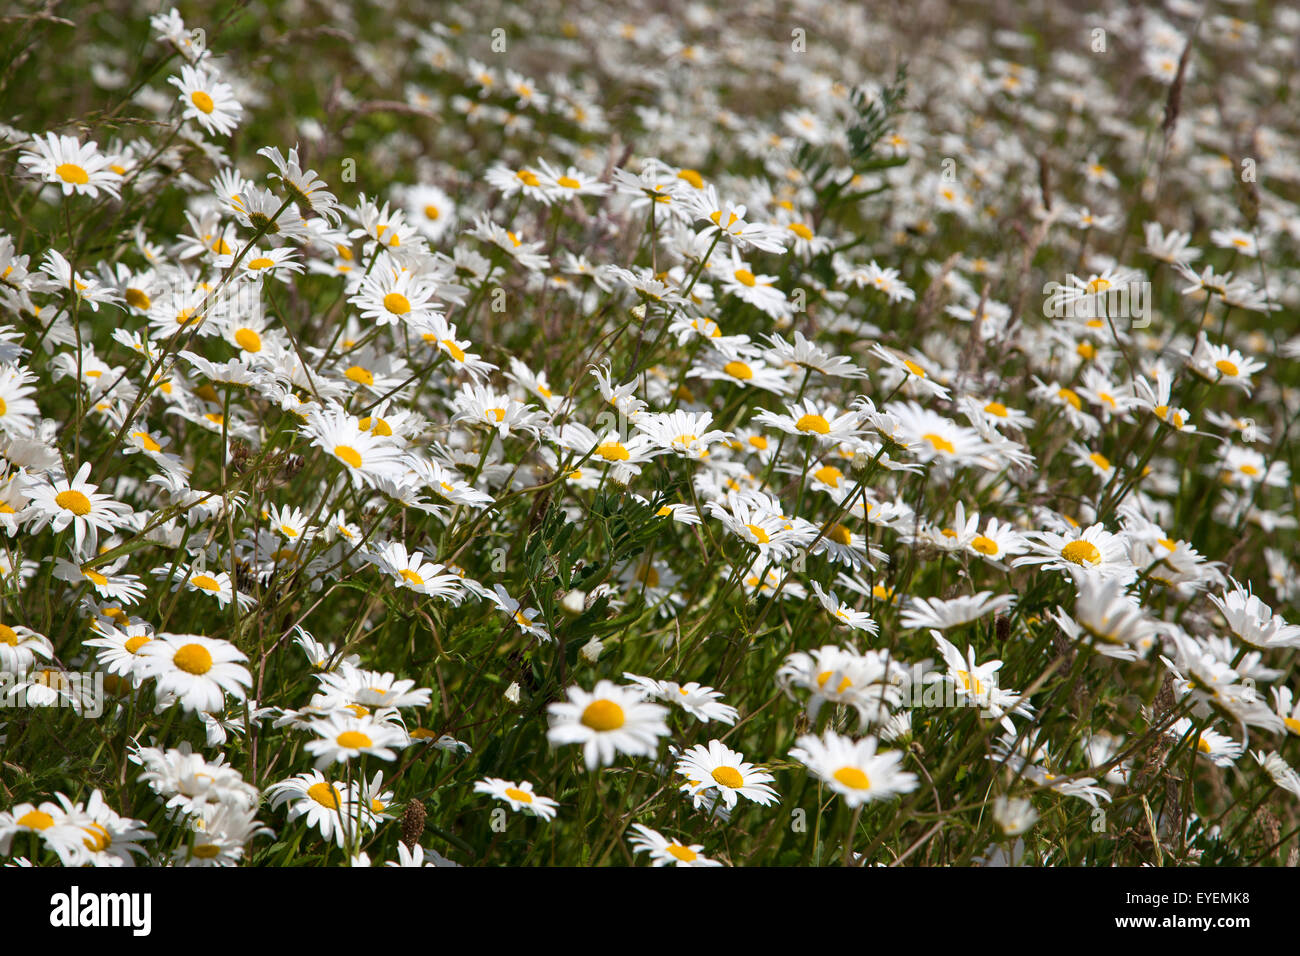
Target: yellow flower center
(74,501)
(813,423)
(745,277)
(97,838)
(1071,396)
(362,376)
(612,451)
(729,777)
(914,368)
(146,442)
(527,177)
(840,535)
(1227,368)
(431,211)
(353,740)
(603,715)
(94,577)
(692,177)
(397,303)
(800,230)
(996,408)
(72,173)
(825,676)
(738,369)
(411,577)
(522,796)
(35,820)
(202,101)
(984,545)
(1100,460)
(1081,552)
(759,534)
(568,182)
(193,659)
(939,443)
(137,299)
(348,454)
(261,262)
(852,778)
(206,582)
(135,643)
(326,794)
(683,853)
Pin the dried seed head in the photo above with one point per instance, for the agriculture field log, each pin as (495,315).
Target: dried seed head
(413,824)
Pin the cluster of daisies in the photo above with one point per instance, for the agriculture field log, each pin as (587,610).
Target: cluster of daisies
(496,439)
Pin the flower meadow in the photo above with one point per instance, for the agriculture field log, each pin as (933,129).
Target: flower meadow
(681,434)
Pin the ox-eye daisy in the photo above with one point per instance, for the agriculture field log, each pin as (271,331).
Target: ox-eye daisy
(607,720)
(717,767)
(665,852)
(74,166)
(198,670)
(853,768)
(520,796)
(207,99)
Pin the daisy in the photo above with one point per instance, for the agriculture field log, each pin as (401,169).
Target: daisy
(686,434)
(807,417)
(758,290)
(872,276)
(1093,549)
(607,720)
(702,703)
(1222,365)
(844,613)
(572,182)
(368,458)
(307,189)
(76,502)
(390,297)
(522,181)
(740,369)
(932,437)
(1283,774)
(207,99)
(807,354)
(977,683)
(721,769)
(75,166)
(325,805)
(853,768)
(914,373)
(199,671)
(665,852)
(520,796)
(18,412)
(1220,749)
(1252,621)
(727,219)
(19,648)
(1236,240)
(343,737)
(940,614)
(1171,247)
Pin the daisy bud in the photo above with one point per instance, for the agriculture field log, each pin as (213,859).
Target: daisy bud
(512,693)
(1014,816)
(574,603)
(591,650)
